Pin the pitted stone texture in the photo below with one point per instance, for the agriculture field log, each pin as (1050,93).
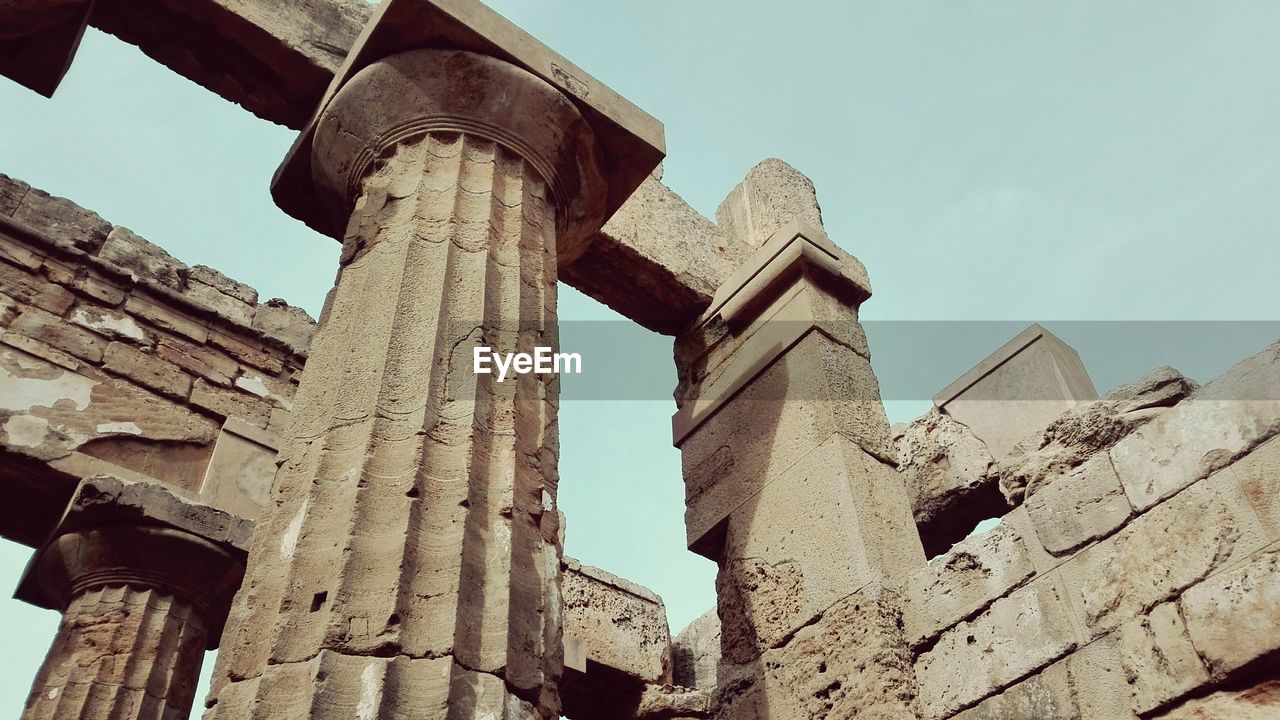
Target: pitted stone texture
(958,584)
(122,653)
(695,652)
(772,194)
(1089,428)
(1260,701)
(656,261)
(1080,506)
(835,521)
(1259,476)
(851,662)
(622,625)
(1018,635)
(142,260)
(1159,661)
(414,507)
(1048,695)
(950,478)
(1214,426)
(66,222)
(831,392)
(667,702)
(1097,675)
(290,325)
(1173,546)
(1234,618)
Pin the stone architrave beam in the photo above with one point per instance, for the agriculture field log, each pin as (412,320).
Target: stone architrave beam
(657,262)
(38,39)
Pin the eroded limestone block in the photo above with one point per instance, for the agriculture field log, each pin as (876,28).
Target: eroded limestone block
(1088,428)
(290,325)
(47,411)
(1018,634)
(957,584)
(1082,505)
(771,195)
(949,476)
(1017,390)
(62,219)
(1260,701)
(1259,476)
(1159,661)
(141,260)
(1214,426)
(1234,618)
(1047,695)
(622,625)
(1170,548)
(852,662)
(695,652)
(832,523)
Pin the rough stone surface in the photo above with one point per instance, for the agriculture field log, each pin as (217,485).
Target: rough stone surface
(772,194)
(142,260)
(1159,661)
(852,662)
(963,581)
(290,325)
(1017,635)
(462,561)
(1174,546)
(1214,426)
(857,530)
(1089,428)
(695,652)
(1082,505)
(950,478)
(622,625)
(1017,390)
(62,219)
(1259,476)
(1234,618)
(121,652)
(1044,696)
(1256,702)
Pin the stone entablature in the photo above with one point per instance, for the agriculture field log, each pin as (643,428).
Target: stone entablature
(115,357)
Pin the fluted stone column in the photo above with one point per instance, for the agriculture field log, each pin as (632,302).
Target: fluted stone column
(139,610)
(409,563)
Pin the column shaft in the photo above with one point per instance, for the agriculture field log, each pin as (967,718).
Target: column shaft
(121,653)
(409,566)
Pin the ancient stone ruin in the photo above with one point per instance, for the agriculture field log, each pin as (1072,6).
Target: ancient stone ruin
(375,535)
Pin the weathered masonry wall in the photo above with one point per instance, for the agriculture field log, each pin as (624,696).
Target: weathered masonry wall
(1139,575)
(117,358)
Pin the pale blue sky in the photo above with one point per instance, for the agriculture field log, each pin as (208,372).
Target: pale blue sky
(1093,160)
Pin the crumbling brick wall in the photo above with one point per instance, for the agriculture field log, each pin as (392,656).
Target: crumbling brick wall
(115,357)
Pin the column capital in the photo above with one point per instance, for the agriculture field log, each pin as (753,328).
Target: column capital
(117,533)
(627,142)
(405,96)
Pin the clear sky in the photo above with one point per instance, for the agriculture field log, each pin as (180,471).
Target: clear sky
(1085,161)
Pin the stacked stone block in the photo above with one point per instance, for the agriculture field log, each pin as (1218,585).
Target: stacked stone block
(1129,585)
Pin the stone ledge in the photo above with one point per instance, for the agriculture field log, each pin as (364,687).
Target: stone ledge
(155,271)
